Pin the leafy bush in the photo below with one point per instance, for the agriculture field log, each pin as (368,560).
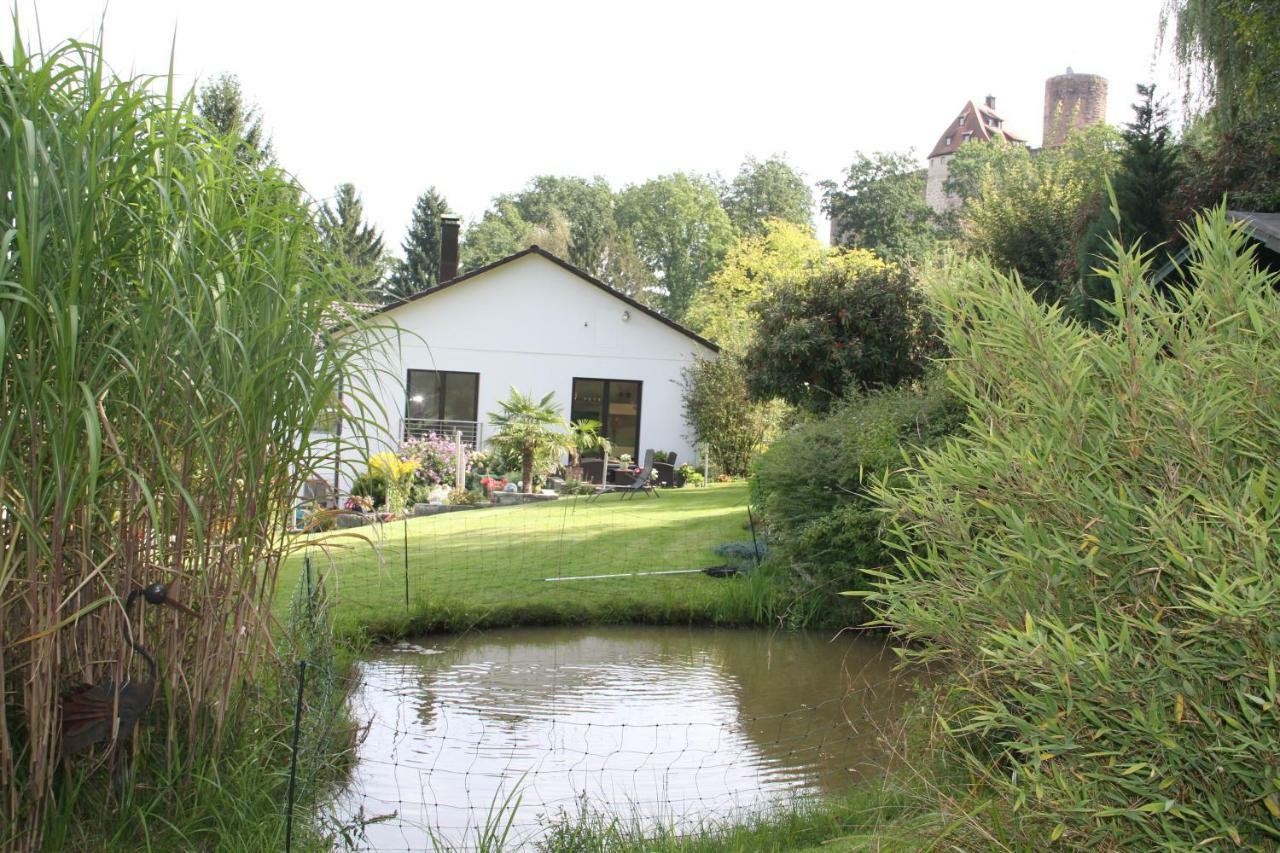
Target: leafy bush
(371,485)
(1096,558)
(856,330)
(812,486)
(722,414)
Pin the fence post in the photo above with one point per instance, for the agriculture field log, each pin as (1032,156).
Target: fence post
(755,545)
(293,760)
(706,466)
(311,611)
(406,563)
(460,475)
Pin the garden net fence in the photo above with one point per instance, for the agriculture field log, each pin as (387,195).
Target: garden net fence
(527,738)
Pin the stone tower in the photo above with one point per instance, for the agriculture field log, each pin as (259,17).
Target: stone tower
(1070,101)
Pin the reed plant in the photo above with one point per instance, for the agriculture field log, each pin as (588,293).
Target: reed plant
(166,364)
(1096,556)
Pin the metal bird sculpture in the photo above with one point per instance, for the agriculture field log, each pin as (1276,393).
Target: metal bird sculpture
(90,712)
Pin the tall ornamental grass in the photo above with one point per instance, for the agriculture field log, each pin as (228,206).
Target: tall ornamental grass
(163,359)
(1098,556)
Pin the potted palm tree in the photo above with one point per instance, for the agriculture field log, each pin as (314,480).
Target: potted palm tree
(532,430)
(585,437)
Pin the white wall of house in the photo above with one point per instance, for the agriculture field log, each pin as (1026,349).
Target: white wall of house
(535,325)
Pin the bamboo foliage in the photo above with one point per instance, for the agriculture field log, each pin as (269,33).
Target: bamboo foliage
(1096,557)
(164,358)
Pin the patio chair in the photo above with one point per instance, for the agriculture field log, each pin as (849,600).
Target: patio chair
(639,484)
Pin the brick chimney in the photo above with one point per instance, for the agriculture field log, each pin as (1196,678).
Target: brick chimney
(449,224)
(991,102)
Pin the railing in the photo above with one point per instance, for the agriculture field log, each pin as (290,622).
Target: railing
(472,431)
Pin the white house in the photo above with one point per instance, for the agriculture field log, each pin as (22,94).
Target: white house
(537,323)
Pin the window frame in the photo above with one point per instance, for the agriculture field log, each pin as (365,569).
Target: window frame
(604,404)
(443,390)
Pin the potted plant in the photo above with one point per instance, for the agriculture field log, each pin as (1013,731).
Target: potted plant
(585,437)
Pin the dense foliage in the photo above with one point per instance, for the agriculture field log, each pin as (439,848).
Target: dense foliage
(778,260)
(1139,211)
(1029,208)
(354,244)
(1229,53)
(848,329)
(1096,557)
(681,232)
(228,113)
(880,206)
(723,417)
(812,485)
(765,191)
(164,305)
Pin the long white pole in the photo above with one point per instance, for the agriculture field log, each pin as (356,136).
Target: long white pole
(627,575)
(460,477)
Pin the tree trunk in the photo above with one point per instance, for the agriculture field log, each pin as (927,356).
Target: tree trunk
(527,473)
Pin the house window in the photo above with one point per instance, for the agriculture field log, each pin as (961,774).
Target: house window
(947,141)
(443,395)
(615,403)
(961,121)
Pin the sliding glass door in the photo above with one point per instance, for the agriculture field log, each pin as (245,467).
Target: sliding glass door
(615,403)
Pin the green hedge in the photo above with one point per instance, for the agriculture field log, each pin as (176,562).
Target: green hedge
(1096,559)
(812,487)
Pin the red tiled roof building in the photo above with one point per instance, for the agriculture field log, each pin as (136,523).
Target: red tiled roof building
(975,123)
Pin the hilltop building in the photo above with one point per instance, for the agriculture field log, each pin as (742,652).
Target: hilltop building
(975,123)
(1072,101)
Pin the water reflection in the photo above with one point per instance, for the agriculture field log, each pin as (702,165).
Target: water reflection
(664,724)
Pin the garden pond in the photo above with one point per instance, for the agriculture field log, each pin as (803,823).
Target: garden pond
(678,726)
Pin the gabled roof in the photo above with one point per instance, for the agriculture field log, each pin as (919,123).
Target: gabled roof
(582,274)
(979,129)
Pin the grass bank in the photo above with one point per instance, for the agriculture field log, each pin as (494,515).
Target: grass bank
(490,567)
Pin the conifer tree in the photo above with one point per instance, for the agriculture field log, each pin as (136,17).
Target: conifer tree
(357,245)
(420,267)
(1144,186)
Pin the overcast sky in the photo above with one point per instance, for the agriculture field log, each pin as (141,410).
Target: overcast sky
(477,96)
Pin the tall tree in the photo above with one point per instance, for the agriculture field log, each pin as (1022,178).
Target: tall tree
(503,231)
(1229,50)
(356,245)
(222,104)
(1145,182)
(1029,211)
(585,205)
(756,267)
(681,232)
(420,267)
(767,190)
(880,206)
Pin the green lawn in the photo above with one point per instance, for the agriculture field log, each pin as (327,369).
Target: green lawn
(489,567)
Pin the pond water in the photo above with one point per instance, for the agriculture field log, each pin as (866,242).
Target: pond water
(671,725)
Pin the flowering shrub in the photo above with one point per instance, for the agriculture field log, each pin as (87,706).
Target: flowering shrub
(493,484)
(436,456)
(397,473)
